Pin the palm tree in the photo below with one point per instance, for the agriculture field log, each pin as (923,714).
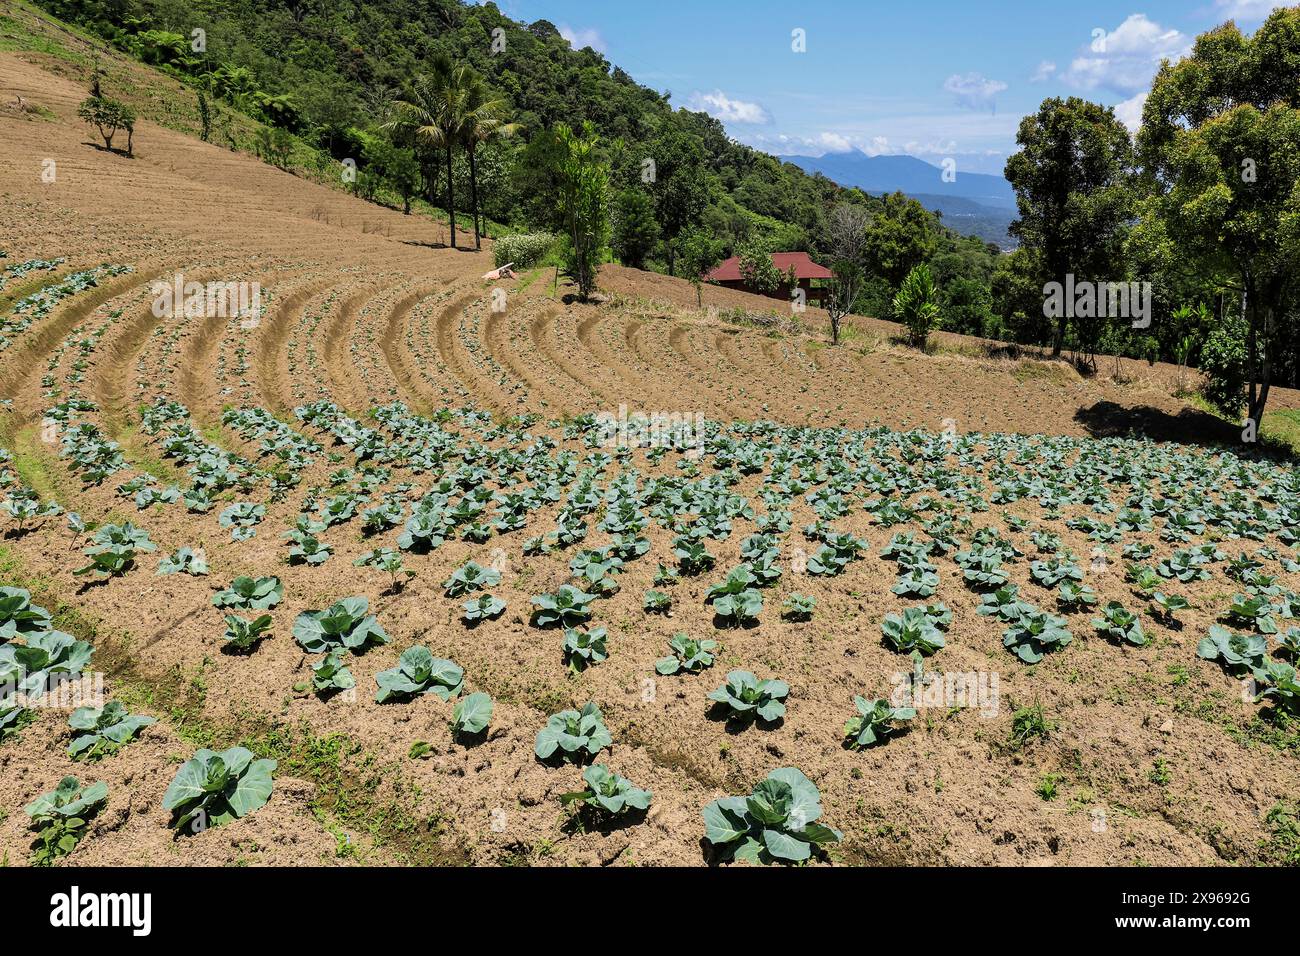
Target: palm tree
(484,121)
(434,114)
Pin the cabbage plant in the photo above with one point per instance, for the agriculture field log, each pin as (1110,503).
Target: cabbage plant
(345,624)
(60,817)
(100,731)
(873,722)
(687,655)
(912,631)
(470,577)
(419,672)
(212,788)
(567,607)
(584,648)
(19,617)
(329,674)
(1035,634)
(244,633)
(776,823)
(484,607)
(573,735)
(471,715)
(609,792)
(1120,625)
(745,697)
(44,660)
(184,561)
(250,594)
(1239,653)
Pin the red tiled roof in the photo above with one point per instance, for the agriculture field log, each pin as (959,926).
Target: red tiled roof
(804,267)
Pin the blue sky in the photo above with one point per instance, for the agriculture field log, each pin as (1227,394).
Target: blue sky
(932,78)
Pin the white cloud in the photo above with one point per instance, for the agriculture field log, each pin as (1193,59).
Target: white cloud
(879,146)
(1043,72)
(835,143)
(1130,111)
(1250,11)
(1125,59)
(579,38)
(974,90)
(720,106)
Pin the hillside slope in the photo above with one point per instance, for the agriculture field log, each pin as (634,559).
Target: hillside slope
(365,308)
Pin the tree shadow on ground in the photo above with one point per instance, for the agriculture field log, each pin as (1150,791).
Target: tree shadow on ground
(1190,426)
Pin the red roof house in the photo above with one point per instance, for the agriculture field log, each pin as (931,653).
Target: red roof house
(805,270)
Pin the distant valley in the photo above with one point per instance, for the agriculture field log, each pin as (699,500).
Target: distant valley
(972,204)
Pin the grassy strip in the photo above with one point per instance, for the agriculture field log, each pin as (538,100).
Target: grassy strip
(1283,426)
(29,461)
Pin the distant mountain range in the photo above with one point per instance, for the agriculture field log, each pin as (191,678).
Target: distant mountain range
(972,204)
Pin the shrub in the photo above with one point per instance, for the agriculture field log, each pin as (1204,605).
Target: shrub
(100,731)
(419,672)
(917,305)
(109,116)
(777,822)
(609,792)
(635,229)
(60,816)
(523,250)
(745,697)
(1223,363)
(573,735)
(212,788)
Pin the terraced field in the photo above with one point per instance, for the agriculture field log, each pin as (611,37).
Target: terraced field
(819,513)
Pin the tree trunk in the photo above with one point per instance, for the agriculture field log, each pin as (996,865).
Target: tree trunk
(473,190)
(1261,365)
(451,202)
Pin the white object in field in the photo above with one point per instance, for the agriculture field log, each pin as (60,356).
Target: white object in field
(505,272)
